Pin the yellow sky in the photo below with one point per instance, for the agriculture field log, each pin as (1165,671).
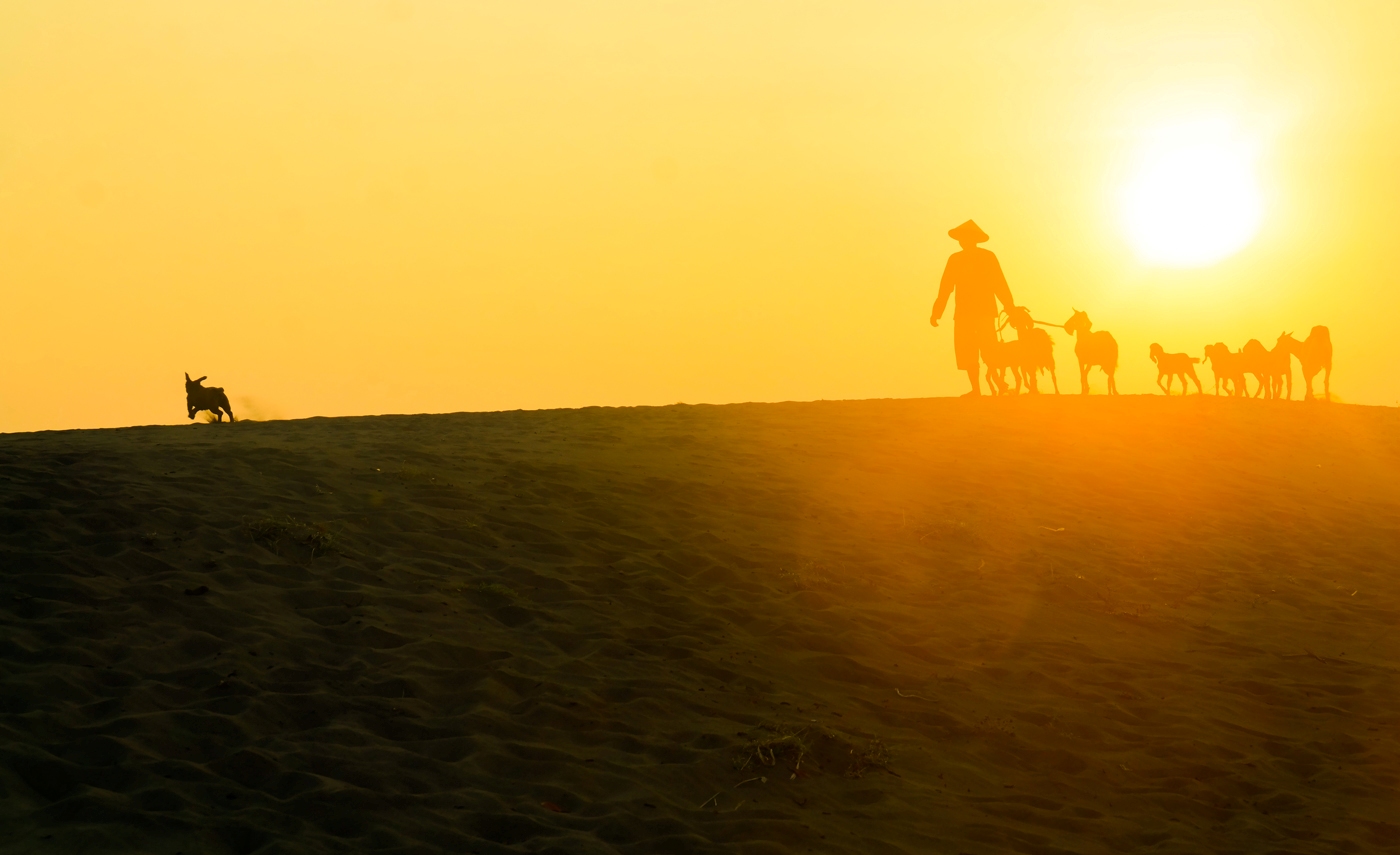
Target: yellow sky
(402,205)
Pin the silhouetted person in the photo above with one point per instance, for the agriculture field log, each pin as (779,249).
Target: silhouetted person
(975,274)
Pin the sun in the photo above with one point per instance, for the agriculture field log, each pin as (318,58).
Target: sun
(1193,198)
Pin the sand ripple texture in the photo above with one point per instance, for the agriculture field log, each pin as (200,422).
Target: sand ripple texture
(1039,626)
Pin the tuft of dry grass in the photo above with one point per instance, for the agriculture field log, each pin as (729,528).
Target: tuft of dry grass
(273,532)
(782,744)
(822,750)
(875,755)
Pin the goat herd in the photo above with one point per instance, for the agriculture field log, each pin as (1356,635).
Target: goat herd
(1033,351)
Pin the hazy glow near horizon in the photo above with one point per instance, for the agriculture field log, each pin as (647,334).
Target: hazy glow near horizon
(1194,200)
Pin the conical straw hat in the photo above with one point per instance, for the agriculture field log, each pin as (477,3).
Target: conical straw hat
(968,232)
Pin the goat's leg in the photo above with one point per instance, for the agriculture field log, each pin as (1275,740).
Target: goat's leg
(1327,384)
(1168,387)
(1055,381)
(1083,379)
(1112,383)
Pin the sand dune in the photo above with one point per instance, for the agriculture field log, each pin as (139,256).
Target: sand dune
(1031,625)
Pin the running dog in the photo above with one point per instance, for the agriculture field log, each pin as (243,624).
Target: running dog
(213,399)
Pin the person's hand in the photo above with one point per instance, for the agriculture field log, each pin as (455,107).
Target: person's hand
(933,320)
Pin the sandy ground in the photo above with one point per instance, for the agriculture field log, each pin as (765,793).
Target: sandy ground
(1031,625)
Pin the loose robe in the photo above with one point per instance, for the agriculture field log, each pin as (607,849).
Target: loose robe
(975,274)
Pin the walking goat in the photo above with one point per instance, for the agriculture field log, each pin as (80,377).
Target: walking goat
(1228,367)
(1170,365)
(1092,348)
(1256,359)
(1035,350)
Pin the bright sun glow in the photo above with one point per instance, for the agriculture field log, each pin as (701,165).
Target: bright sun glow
(1194,197)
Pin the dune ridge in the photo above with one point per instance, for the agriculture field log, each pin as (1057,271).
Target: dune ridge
(1030,625)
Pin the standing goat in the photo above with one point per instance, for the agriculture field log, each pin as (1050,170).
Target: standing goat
(1170,365)
(1314,354)
(1281,369)
(1035,349)
(999,356)
(1228,367)
(1092,348)
(1256,359)
(213,399)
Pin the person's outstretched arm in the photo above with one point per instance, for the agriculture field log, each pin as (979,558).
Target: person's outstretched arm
(945,290)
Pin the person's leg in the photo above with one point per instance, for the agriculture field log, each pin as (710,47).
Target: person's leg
(967,347)
(976,382)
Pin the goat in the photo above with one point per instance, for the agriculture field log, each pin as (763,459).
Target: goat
(1035,351)
(213,399)
(1314,354)
(1171,365)
(1255,359)
(1228,368)
(999,356)
(1281,369)
(1092,348)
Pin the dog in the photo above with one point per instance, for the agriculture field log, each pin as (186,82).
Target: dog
(212,399)
(1171,365)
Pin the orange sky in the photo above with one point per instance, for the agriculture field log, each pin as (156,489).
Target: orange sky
(401,205)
